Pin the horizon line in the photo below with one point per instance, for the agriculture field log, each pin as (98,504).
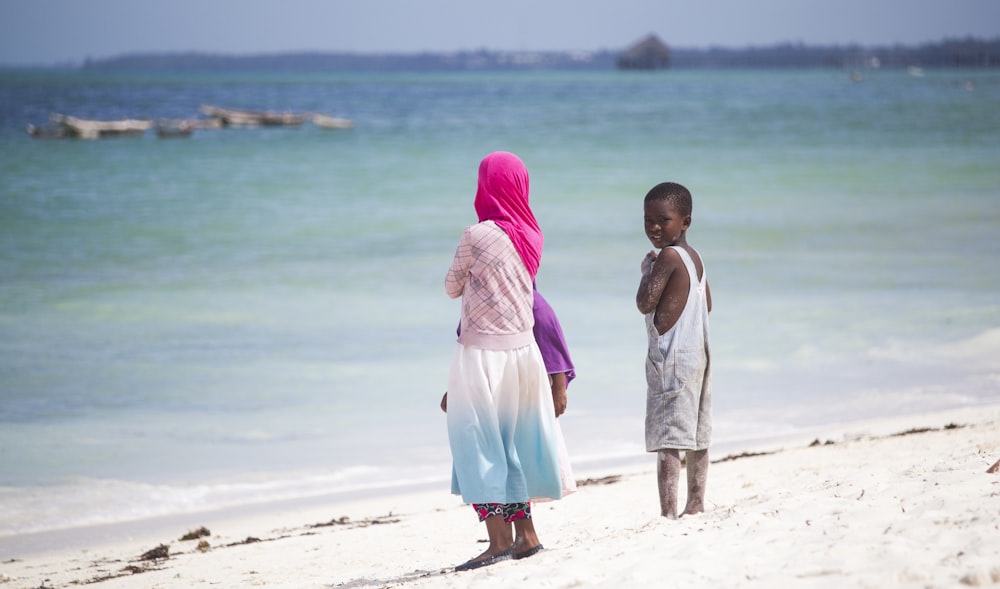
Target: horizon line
(408,53)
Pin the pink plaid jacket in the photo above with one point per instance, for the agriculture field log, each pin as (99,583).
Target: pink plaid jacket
(495,287)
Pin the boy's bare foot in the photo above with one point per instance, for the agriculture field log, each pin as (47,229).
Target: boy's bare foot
(693,509)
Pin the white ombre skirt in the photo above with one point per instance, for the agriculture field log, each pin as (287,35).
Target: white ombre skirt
(505,440)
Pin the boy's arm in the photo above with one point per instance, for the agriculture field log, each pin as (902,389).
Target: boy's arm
(708,296)
(656,271)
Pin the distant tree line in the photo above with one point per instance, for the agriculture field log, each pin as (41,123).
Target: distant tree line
(949,53)
(368,62)
(965,53)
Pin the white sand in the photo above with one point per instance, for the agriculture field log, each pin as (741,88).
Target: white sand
(870,510)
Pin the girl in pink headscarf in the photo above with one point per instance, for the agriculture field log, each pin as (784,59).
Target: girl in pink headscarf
(501,420)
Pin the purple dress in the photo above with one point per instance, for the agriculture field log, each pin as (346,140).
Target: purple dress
(549,336)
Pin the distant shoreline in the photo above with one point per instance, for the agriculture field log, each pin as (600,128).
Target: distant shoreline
(948,53)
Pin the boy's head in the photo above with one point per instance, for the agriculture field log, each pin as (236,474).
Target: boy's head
(667,213)
(673,193)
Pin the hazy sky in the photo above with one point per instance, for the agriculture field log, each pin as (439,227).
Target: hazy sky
(50,31)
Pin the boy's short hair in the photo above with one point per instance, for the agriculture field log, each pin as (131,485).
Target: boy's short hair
(673,192)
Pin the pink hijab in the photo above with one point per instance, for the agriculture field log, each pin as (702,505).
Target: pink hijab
(502,197)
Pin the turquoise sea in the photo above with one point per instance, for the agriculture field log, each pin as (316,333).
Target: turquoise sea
(256,314)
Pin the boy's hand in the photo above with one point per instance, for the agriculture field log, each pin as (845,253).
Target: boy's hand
(444,402)
(647,262)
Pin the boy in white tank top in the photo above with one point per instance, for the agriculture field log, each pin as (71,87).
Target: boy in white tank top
(675,299)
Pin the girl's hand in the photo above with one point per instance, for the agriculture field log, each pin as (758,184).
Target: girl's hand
(559,401)
(558,383)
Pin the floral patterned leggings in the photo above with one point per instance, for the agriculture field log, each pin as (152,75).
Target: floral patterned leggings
(510,511)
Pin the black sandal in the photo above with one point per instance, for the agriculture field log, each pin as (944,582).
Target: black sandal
(487,561)
(528,552)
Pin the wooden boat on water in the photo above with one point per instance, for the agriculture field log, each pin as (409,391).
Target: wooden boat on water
(62,126)
(328,122)
(91,129)
(232,117)
(47,132)
(169,129)
(184,127)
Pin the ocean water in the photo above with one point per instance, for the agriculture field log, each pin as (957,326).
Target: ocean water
(250,315)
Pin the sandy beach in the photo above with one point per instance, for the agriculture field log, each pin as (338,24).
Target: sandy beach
(900,502)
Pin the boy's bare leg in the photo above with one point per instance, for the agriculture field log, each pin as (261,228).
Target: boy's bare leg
(697,475)
(525,537)
(668,473)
